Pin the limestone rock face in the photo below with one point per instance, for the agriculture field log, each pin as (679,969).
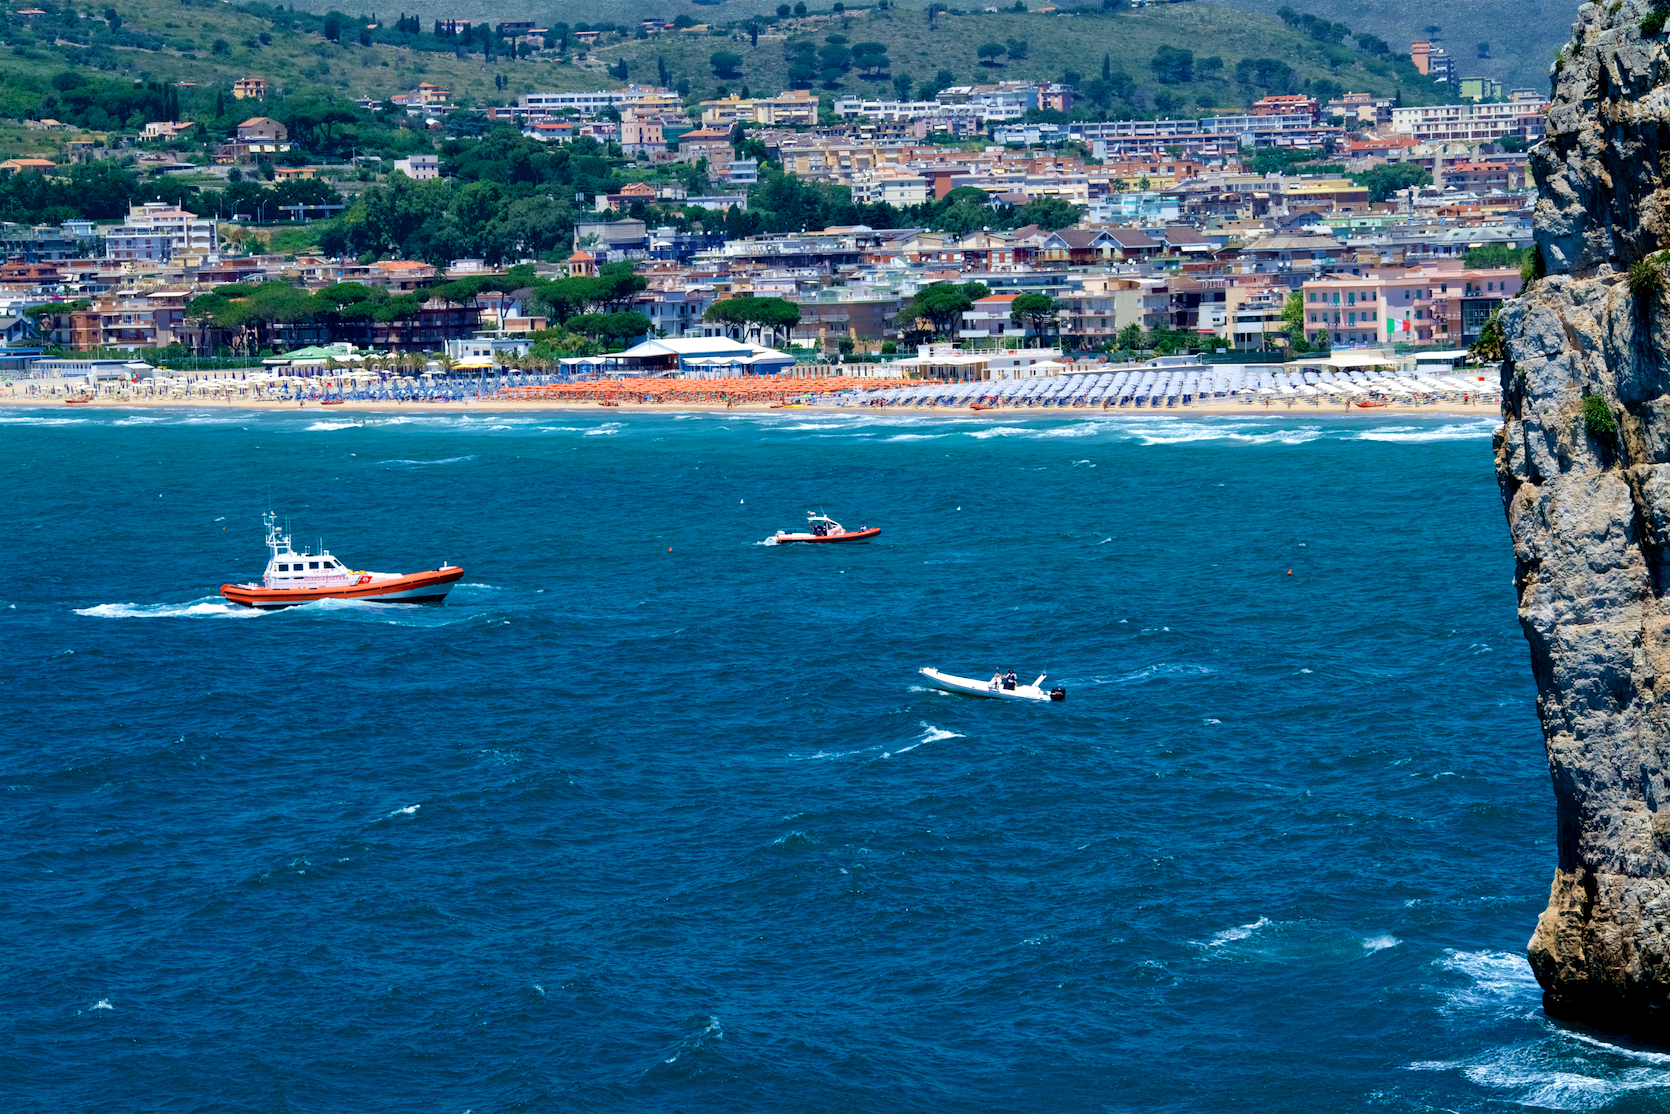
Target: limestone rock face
(1589,513)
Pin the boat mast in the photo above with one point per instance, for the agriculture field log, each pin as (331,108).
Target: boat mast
(275,538)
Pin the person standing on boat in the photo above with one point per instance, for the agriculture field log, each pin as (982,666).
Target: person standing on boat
(1010,680)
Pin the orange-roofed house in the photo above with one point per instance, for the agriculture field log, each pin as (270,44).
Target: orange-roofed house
(582,264)
(16,166)
(402,274)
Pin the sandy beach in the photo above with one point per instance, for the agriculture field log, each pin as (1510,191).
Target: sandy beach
(1270,407)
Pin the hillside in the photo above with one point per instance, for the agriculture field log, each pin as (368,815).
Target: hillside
(212,43)
(1522,35)
(1056,43)
(1179,59)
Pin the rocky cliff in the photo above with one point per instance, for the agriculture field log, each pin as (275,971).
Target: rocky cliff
(1584,463)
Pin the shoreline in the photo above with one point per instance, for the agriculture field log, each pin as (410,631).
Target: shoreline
(1215,407)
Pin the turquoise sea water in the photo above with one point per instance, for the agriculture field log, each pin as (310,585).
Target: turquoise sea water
(652,816)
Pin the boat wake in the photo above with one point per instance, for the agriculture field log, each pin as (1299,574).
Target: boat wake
(212,607)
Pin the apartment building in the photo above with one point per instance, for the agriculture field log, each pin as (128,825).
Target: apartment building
(591,102)
(186,234)
(890,185)
(797,106)
(1472,123)
(250,88)
(1440,302)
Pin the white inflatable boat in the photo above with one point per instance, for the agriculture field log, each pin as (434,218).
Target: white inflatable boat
(998,688)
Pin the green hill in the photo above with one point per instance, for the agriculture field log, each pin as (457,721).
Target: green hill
(1521,36)
(1232,57)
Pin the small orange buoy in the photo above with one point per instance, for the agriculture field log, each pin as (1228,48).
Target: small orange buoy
(1289,572)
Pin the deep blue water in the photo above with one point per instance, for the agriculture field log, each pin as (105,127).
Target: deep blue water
(651,816)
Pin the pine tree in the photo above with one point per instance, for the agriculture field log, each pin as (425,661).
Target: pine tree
(1107,67)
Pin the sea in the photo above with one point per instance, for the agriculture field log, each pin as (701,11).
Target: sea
(655,815)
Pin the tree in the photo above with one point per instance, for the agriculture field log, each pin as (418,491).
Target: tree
(726,65)
(1129,338)
(1383,181)
(990,53)
(1172,66)
(1038,311)
(1017,49)
(1293,319)
(765,318)
(870,57)
(942,305)
(1048,213)
(1497,255)
(783,11)
(902,85)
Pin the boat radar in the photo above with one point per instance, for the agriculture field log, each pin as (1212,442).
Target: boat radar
(293,578)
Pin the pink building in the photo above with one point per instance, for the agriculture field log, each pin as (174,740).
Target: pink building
(1438,303)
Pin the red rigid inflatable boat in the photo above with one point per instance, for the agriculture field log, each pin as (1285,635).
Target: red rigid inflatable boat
(294,578)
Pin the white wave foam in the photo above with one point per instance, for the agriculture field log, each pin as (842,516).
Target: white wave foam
(1467,431)
(102,1004)
(1494,980)
(1182,432)
(213,607)
(772,540)
(605,429)
(11,419)
(932,734)
(1547,1076)
(409,810)
(326,427)
(916,437)
(442,460)
(1239,932)
(1380,943)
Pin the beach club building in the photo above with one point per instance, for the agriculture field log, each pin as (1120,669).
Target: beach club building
(693,358)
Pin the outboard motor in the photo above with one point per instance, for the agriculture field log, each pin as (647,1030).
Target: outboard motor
(1058,693)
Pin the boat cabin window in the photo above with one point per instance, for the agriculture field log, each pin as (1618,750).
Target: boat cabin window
(313,564)
(284,568)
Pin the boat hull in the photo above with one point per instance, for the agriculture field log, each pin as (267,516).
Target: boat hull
(418,587)
(851,536)
(990,690)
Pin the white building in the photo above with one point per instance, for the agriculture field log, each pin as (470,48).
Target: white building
(419,168)
(187,235)
(1472,123)
(587,103)
(890,185)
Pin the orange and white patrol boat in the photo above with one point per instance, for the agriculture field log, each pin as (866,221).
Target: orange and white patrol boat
(305,577)
(822,528)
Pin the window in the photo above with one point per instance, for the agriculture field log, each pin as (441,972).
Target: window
(1443,288)
(1351,299)
(313,564)
(1313,295)
(284,568)
(1352,318)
